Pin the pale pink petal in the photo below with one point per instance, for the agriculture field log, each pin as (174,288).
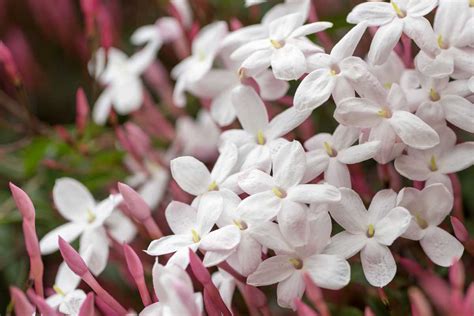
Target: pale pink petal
(375,13)
(272,270)
(285,122)
(269,235)
(256,181)
(412,168)
(72,199)
(421,8)
(392,226)
(289,165)
(437,203)
(314,90)
(337,174)
(358,112)
(384,41)
(190,174)
(222,108)
(378,264)
(288,62)
(347,45)
(413,131)
(94,248)
(458,158)
(210,209)
(248,254)
(102,107)
(293,222)
(281,28)
(225,163)
(225,238)
(256,63)
(358,153)
(316,162)
(350,212)
(346,244)
(250,109)
(180,217)
(420,30)
(290,289)
(441,247)
(270,87)
(313,193)
(328,271)
(459,112)
(382,203)
(169,244)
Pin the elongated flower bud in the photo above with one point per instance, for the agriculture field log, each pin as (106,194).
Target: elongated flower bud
(72,258)
(9,64)
(21,304)
(136,270)
(43,307)
(23,202)
(459,229)
(87,307)
(82,110)
(135,203)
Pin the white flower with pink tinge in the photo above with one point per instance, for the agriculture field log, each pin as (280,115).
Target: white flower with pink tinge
(290,264)
(192,230)
(283,195)
(370,232)
(429,207)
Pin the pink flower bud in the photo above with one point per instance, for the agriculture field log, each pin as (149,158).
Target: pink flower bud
(87,307)
(135,203)
(457,276)
(21,304)
(418,302)
(136,270)
(89,9)
(43,307)
(368,311)
(72,258)
(315,295)
(106,27)
(459,229)
(303,309)
(23,202)
(9,64)
(138,139)
(82,110)
(31,240)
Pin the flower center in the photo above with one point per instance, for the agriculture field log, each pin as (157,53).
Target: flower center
(260,138)
(277,44)
(242,225)
(58,290)
(213,186)
(90,216)
(335,70)
(201,55)
(331,151)
(385,113)
(196,237)
(420,221)
(433,164)
(280,193)
(388,85)
(434,95)
(398,11)
(297,263)
(370,231)
(471,3)
(441,42)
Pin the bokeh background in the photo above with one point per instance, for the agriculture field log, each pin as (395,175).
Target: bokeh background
(48,43)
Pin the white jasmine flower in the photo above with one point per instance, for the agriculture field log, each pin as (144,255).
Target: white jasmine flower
(164,30)
(433,165)
(226,284)
(86,219)
(121,76)
(370,232)
(175,291)
(205,48)
(192,230)
(329,73)
(387,116)
(429,208)
(283,195)
(290,263)
(395,18)
(259,137)
(336,153)
(284,50)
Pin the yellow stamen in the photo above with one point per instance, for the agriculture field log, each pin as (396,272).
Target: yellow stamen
(260,138)
(332,72)
(388,85)
(278,192)
(383,113)
(240,224)
(399,12)
(370,231)
(90,216)
(58,290)
(433,165)
(241,73)
(201,55)
(471,3)
(213,186)
(328,149)
(196,237)
(276,44)
(420,221)
(440,41)
(434,95)
(297,263)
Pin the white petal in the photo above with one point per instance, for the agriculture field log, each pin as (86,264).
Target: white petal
(72,303)
(190,174)
(437,203)
(257,63)
(258,208)
(288,62)
(102,107)
(250,109)
(222,108)
(311,28)
(293,222)
(346,244)
(269,235)
(210,209)
(272,270)
(290,289)
(127,95)
(270,87)
(358,112)
(225,163)
(378,264)
(328,271)
(169,244)
(420,30)
(382,203)
(65,279)
(225,238)
(316,162)
(421,8)
(180,217)
(69,232)
(375,13)
(249,254)
(72,199)
(412,168)
(350,212)
(337,174)
(346,45)
(285,122)
(384,41)
(359,153)
(289,165)
(213,258)
(282,27)
(441,247)
(459,112)
(314,193)
(314,90)
(459,158)
(392,226)
(413,131)
(256,181)
(94,248)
